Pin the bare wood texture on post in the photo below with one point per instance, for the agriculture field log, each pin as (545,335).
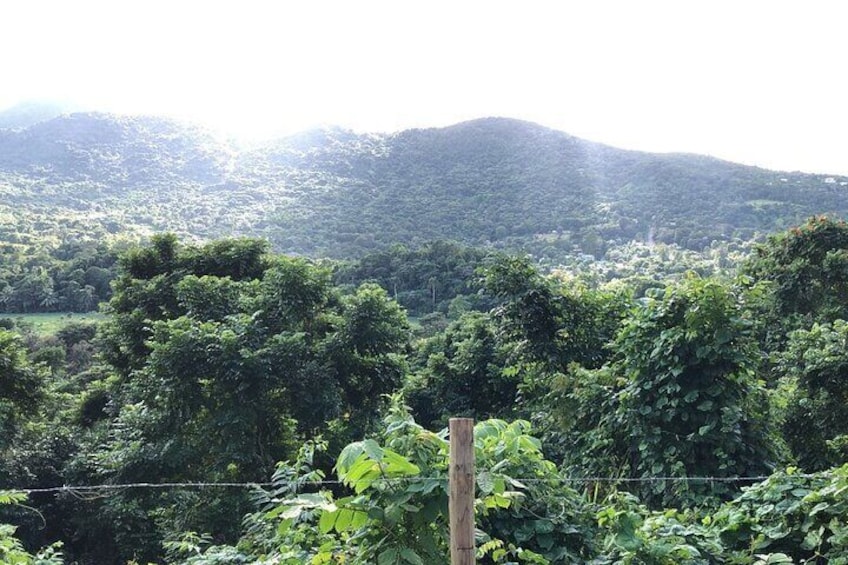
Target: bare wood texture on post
(461,502)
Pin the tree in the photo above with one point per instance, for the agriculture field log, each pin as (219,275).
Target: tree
(691,402)
(367,350)
(550,321)
(146,291)
(422,280)
(33,290)
(21,386)
(529,313)
(462,374)
(544,325)
(222,373)
(679,398)
(816,425)
(808,268)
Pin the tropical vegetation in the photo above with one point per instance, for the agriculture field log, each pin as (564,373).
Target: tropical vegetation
(697,420)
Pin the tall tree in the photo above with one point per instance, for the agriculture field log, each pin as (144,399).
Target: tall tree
(816,426)
(21,386)
(808,268)
(222,372)
(691,402)
(462,374)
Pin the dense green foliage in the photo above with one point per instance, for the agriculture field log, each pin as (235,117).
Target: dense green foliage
(493,182)
(635,361)
(395,512)
(803,327)
(12,551)
(225,356)
(20,385)
(678,398)
(219,360)
(599,401)
(437,277)
(530,188)
(808,266)
(397,509)
(459,373)
(691,403)
(816,425)
(38,275)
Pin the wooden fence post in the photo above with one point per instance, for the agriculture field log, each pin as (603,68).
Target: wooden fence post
(461,479)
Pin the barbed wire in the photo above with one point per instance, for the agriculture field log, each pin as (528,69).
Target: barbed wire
(327,482)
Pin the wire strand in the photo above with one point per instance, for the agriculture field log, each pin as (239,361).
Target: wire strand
(76,489)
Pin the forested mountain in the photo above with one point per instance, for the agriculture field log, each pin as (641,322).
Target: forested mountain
(651,386)
(331,192)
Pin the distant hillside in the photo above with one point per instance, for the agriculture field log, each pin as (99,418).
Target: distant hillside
(494,181)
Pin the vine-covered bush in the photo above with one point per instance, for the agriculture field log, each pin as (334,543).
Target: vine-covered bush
(679,399)
(802,516)
(692,404)
(816,426)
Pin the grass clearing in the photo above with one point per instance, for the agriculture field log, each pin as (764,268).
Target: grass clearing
(46,324)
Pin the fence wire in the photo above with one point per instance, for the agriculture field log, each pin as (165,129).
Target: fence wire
(329,482)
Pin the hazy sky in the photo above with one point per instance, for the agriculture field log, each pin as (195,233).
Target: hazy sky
(760,82)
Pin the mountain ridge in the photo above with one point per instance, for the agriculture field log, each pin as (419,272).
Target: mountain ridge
(332,192)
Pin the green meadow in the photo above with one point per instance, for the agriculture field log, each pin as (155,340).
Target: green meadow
(49,323)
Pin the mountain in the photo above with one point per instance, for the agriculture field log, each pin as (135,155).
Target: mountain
(336,193)
(111,150)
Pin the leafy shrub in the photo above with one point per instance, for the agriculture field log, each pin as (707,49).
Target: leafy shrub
(12,551)
(802,516)
(395,505)
(816,426)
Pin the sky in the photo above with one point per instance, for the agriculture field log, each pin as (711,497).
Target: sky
(756,82)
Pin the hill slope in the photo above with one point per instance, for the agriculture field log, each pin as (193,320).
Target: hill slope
(335,193)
